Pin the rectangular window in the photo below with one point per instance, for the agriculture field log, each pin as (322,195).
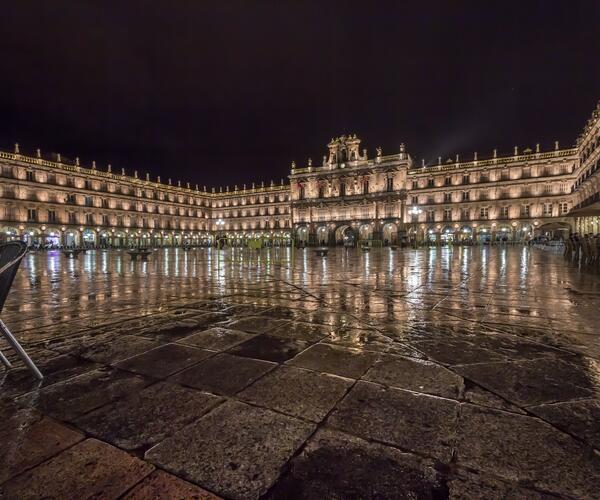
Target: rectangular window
(390,184)
(504,212)
(51,216)
(88,201)
(321,192)
(30,176)
(415,184)
(120,220)
(31,215)
(564,208)
(342,189)
(366,187)
(524,210)
(88,184)
(483,212)
(465,196)
(89,219)
(448,181)
(466,179)
(430,183)
(465,214)
(447,214)
(547,210)
(447,197)
(72,218)
(105,220)
(430,216)
(301,193)
(415,200)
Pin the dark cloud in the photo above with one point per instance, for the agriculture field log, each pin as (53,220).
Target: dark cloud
(230,92)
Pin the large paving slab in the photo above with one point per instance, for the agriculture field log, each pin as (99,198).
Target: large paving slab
(147,417)
(90,469)
(237,450)
(338,465)
(526,450)
(223,374)
(420,423)
(297,392)
(351,363)
(164,360)
(69,399)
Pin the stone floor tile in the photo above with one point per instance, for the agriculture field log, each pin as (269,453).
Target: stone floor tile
(532,382)
(69,399)
(337,465)
(113,350)
(27,443)
(299,330)
(223,374)
(579,418)
(174,330)
(269,348)
(236,450)
(216,338)
(415,422)
(90,469)
(523,449)
(351,363)
(148,416)
(254,324)
(416,375)
(160,484)
(60,367)
(164,360)
(297,392)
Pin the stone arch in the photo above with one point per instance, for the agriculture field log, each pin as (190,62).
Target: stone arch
(345,235)
(390,233)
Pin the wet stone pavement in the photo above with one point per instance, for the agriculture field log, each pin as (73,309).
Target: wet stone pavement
(442,373)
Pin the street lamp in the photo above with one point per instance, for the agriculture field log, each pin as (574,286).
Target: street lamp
(415,211)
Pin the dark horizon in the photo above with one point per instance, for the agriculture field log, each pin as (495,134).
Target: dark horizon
(224,94)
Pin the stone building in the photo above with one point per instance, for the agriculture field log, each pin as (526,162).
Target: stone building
(349,199)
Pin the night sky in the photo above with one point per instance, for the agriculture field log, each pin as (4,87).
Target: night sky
(228,92)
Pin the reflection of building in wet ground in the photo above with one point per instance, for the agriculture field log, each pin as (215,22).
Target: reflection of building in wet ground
(349,198)
(469,372)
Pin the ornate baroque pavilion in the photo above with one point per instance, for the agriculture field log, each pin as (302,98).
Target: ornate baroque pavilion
(348,198)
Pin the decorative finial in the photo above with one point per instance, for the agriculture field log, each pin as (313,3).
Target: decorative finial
(516,150)
(495,153)
(423,162)
(169,181)
(272,183)
(262,184)
(537,147)
(282,181)
(556,145)
(457,158)
(123,172)
(178,183)
(38,153)
(147,176)
(93,164)
(235,188)
(204,188)
(17,148)
(475,156)
(310,162)
(109,168)
(77,160)
(439,160)
(158,179)
(58,157)
(188,185)
(402,148)
(293,164)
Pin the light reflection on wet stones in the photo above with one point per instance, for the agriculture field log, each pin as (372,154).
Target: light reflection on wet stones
(477,371)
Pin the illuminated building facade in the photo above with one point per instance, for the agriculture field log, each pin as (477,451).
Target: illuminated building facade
(349,199)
